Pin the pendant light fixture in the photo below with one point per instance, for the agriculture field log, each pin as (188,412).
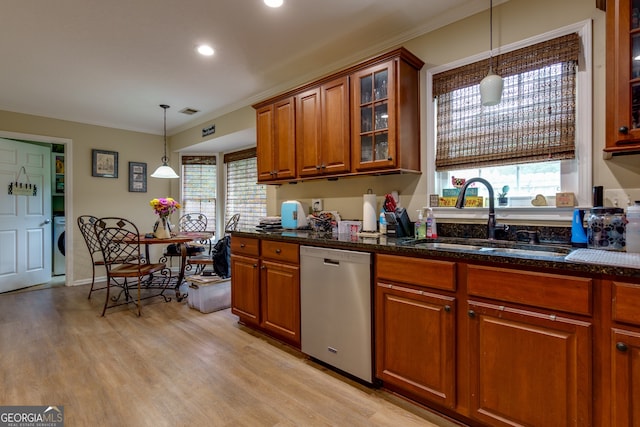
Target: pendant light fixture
(491,86)
(165,171)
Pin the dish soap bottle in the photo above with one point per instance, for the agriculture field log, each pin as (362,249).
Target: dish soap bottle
(420,229)
(382,225)
(432,228)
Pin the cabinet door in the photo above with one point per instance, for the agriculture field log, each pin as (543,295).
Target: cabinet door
(625,380)
(623,76)
(374,117)
(280,300)
(308,132)
(528,368)
(336,127)
(245,289)
(275,145)
(415,342)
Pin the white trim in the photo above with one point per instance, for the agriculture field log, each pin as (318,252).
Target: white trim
(581,182)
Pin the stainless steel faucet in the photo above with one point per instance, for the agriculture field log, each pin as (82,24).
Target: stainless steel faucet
(491,223)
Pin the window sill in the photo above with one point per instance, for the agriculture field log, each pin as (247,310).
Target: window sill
(520,214)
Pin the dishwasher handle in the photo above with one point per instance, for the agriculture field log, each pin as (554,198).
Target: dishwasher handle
(329,261)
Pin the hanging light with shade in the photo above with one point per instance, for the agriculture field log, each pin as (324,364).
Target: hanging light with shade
(491,86)
(164,170)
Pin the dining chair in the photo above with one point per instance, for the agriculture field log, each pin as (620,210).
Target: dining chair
(86,225)
(189,223)
(120,244)
(202,261)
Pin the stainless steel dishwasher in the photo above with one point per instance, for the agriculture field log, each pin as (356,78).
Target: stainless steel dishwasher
(335,306)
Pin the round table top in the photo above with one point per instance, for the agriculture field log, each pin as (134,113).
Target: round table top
(178,238)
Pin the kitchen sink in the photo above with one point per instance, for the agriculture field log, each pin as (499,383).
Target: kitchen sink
(489,247)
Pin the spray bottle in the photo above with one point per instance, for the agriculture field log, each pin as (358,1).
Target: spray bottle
(432,228)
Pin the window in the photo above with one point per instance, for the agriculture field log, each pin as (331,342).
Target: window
(244,195)
(199,187)
(533,139)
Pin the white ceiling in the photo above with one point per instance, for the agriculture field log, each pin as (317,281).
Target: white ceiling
(111,63)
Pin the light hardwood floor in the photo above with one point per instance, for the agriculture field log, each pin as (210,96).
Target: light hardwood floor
(174,366)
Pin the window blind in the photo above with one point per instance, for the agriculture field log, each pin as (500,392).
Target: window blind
(534,121)
(244,195)
(199,187)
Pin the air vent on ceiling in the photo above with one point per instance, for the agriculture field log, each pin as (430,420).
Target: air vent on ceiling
(189,111)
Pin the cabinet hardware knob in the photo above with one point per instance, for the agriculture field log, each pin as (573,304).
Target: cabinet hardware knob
(263,267)
(318,167)
(242,245)
(255,265)
(623,130)
(621,346)
(447,308)
(278,251)
(390,158)
(471,313)
(323,166)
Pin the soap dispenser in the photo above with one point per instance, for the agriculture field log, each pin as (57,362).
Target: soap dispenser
(578,234)
(420,229)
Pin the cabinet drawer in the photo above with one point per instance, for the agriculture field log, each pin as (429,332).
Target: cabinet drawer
(544,290)
(626,303)
(287,252)
(245,246)
(417,271)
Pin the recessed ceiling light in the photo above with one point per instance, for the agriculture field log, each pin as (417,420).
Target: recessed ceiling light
(273,3)
(205,50)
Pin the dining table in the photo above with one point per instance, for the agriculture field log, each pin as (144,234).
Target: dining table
(180,240)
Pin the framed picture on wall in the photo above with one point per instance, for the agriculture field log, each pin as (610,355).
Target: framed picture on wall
(104,164)
(137,177)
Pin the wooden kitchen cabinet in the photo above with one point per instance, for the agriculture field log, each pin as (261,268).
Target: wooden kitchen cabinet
(265,286)
(323,129)
(280,290)
(625,355)
(521,360)
(623,77)
(385,112)
(416,329)
(275,147)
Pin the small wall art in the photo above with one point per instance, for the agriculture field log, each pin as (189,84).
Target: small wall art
(105,164)
(137,177)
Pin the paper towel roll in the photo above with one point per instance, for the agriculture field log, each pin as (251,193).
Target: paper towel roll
(369,215)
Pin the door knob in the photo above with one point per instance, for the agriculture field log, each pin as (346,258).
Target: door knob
(47,221)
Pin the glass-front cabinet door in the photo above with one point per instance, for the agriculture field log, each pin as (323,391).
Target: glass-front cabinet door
(374,117)
(623,82)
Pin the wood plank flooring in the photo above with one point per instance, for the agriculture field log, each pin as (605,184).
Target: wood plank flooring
(174,366)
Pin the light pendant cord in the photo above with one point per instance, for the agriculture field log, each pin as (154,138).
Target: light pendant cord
(165,159)
(490,36)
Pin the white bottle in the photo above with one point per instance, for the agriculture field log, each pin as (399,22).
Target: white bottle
(382,226)
(633,228)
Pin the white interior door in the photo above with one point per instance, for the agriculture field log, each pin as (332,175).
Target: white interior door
(25,221)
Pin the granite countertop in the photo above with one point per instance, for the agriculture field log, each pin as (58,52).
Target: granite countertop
(407,246)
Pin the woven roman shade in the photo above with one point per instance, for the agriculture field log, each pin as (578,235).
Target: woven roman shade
(535,121)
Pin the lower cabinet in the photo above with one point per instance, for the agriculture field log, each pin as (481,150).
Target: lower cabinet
(528,368)
(265,286)
(415,335)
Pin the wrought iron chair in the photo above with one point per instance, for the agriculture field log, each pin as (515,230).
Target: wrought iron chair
(86,225)
(189,223)
(201,262)
(120,244)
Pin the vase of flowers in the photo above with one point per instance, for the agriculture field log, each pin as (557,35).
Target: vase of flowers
(163,207)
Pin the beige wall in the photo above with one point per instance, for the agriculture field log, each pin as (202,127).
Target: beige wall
(513,21)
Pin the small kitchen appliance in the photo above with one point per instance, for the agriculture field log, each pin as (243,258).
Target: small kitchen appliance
(294,214)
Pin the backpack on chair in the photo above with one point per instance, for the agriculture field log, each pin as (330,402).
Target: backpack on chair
(221,254)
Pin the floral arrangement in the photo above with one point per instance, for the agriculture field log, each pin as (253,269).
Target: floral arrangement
(164,206)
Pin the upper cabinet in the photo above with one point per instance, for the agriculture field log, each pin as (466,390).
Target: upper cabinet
(276,154)
(361,120)
(385,111)
(322,129)
(623,77)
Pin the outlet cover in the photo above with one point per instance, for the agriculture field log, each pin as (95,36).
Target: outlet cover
(621,197)
(316,205)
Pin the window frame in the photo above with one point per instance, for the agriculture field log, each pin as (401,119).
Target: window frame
(576,175)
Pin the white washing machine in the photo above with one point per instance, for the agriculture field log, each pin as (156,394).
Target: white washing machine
(58,245)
